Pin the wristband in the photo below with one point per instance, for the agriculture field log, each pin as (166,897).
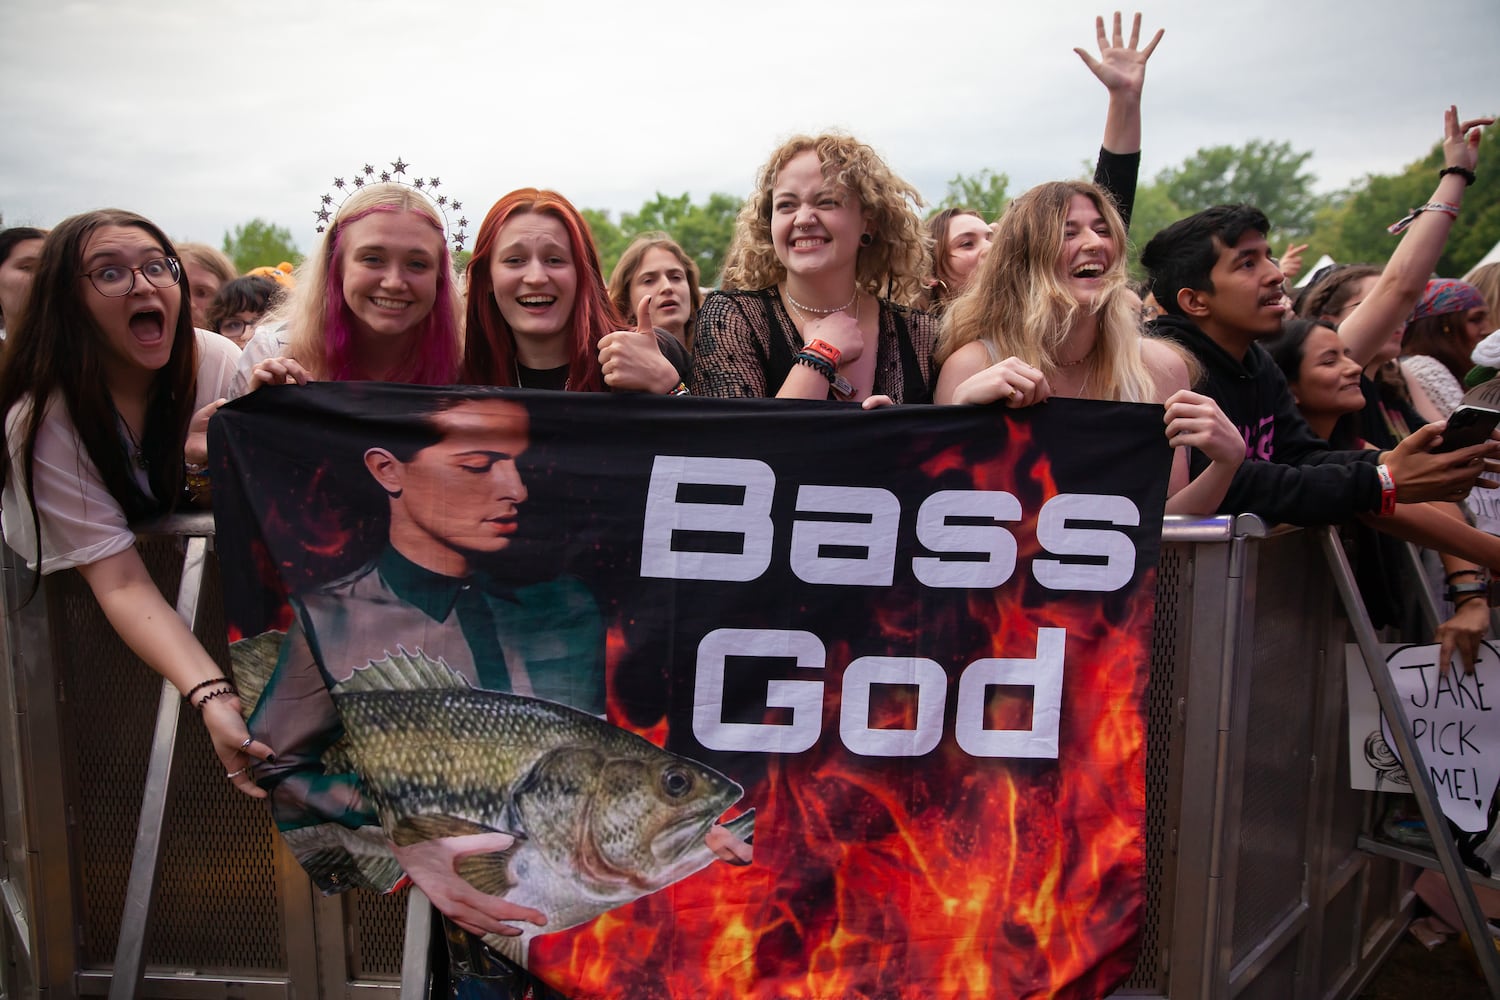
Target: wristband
(221,692)
(822,366)
(680,390)
(1477,588)
(203,684)
(1387,490)
(824,350)
(1400,225)
(1464,172)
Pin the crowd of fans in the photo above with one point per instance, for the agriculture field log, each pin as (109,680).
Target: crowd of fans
(121,344)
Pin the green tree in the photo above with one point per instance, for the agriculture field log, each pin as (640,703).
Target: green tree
(608,237)
(259,243)
(703,231)
(1266,174)
(1353,231)
(1154,211)
(984,192)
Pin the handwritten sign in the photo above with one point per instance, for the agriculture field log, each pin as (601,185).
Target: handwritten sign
(1454,723)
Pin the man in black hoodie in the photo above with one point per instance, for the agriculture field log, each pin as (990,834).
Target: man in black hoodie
(1221,291)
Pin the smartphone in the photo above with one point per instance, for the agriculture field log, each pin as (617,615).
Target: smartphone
(1468,425)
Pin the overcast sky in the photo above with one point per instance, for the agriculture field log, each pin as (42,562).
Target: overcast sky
(201,114)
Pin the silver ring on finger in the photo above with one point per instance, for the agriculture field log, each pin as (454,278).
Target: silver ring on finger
(246,745)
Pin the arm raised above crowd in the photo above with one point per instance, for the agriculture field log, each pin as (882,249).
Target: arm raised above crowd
(1121,67)
(1404,278)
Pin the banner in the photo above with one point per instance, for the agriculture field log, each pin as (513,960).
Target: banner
(890,662)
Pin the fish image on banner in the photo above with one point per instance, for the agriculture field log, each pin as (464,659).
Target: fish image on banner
(601,816)
(898,665)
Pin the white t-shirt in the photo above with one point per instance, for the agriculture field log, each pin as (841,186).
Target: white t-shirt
(268,342)
(81,522)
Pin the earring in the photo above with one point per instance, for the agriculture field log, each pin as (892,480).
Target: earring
(865,240)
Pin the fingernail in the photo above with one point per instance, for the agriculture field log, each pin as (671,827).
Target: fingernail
(270,758)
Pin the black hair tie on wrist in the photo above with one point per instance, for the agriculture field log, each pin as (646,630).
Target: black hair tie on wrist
(1464,172)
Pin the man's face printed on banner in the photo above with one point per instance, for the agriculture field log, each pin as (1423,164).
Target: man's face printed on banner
(462,495)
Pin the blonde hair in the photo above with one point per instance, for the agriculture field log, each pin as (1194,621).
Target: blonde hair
(210,259)
(894,263)
(1018,305)
(1486,278)
(315,310)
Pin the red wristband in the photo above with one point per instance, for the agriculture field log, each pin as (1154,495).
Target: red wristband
(825,350)
(1387,490)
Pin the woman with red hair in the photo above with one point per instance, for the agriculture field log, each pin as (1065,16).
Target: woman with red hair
(539,316)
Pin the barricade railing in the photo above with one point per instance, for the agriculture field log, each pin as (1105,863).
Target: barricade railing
(1255,884)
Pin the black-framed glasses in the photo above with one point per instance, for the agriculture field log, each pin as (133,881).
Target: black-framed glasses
(236,327)
(116,280)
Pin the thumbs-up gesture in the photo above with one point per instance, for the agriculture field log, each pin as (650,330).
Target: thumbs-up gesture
(632,360)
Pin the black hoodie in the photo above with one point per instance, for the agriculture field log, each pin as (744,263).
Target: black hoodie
(1289,473)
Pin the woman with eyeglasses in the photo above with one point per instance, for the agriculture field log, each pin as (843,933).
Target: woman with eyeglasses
(239,306)
(107,391)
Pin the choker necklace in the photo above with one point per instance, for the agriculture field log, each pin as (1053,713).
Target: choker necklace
(1073,364)
(829,312)
(821,312)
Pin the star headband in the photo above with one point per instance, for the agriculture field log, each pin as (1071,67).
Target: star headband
(328,208)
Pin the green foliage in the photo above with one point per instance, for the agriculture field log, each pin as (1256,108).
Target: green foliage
(984,192)
(1154,211)
(703,231)
(1353,231)
(1266,174)
(259,243)
(608,237)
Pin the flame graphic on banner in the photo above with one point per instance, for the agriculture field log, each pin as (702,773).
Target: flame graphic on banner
(943,876)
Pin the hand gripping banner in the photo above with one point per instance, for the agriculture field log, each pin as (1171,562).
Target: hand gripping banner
(746,698)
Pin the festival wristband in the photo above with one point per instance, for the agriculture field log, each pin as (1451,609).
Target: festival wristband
(821,365)
(1387,490)
(1400,225)
(825,350)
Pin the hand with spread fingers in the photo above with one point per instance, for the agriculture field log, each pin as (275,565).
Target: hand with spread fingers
(433,867)
(632,359)
(1012,382)
(1121,66)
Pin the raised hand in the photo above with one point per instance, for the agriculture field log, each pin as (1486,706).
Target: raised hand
(1120,67)
(632,359)
(1291,261)
(1461,141)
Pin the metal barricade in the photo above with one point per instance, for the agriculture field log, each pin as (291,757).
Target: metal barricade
(1254,883)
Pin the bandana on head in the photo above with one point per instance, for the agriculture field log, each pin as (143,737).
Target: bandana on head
(1447,295)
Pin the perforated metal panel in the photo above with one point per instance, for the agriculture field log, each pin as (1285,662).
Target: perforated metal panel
(1340,931)
(218,905)
(377,931)
(1278,981)
(1168,639)
(1279,740)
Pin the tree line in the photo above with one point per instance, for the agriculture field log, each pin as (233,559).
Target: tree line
(1349,225)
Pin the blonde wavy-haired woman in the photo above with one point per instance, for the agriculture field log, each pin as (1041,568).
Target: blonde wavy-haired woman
(829,258)
(1051,313)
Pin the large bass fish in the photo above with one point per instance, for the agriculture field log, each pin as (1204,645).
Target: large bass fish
(601,816)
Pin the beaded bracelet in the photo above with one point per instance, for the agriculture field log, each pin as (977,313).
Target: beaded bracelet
(680,390)
(216,694)
(203,684)
(1464,172)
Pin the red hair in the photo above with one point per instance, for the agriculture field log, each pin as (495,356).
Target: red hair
(490,348)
